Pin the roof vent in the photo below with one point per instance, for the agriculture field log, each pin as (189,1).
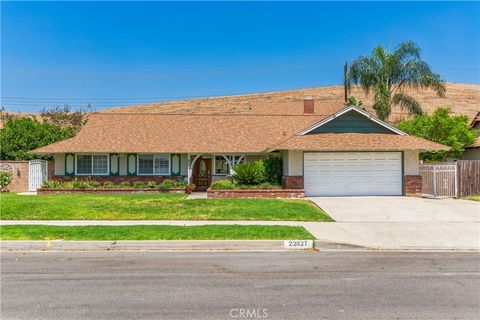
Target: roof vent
(308,105)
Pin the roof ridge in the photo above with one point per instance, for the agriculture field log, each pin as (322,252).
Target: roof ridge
(209,114)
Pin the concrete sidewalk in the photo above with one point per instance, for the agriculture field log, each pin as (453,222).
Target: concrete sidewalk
(375,235)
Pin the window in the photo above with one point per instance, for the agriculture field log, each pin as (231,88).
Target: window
(88,164)
(158,164)
(145,164)
(221,165)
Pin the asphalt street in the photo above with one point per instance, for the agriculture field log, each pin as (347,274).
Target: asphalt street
(240,285)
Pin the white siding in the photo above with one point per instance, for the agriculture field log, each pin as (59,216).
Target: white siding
(183,164)
(59,164)
(123,165)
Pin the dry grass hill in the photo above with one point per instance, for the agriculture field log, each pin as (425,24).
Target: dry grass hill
(462,98)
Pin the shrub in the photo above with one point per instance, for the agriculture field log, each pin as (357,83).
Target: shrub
(5,180)
(166,184)
(51,184)
(222,185)
(93,184)
(267,185)
(124,184)
(273,169)
(80,184)
(139,185)
(108,185)
(249,173)
(151,184)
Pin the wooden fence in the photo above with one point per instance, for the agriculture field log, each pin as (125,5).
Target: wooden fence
(460,179)
(468,172)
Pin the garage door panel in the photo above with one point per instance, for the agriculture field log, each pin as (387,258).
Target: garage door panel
(353,173)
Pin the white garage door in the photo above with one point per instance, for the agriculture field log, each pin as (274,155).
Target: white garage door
(353,173)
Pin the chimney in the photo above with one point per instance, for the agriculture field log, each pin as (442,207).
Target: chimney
(308,105)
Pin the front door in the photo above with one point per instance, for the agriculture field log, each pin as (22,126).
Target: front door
(202,173)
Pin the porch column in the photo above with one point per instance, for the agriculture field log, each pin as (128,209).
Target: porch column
(190,165)
(189,169)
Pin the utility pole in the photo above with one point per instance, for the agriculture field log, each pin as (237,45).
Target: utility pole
(345,81)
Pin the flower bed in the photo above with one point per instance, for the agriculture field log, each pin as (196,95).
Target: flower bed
(92,186)
(256,193)
(45,191)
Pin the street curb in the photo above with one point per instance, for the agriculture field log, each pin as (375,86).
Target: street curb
(163,245)
(193,245)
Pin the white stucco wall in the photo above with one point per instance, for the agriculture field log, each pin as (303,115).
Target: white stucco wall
(411,162)
(59,164)
(292,163)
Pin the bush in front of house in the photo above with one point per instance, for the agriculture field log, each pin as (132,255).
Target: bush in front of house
(222,185)
(124,184)
(229,185)
(139,185)
(273,169)
(108,185)
(151,184)
(249,173)
(5,180)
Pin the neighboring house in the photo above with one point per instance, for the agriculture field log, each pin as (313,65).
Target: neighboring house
(472,152)
(349,152)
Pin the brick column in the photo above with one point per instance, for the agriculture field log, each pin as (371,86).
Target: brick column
(413,186)
(292,182)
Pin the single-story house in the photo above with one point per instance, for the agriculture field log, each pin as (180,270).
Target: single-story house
(472,152)
(349,152)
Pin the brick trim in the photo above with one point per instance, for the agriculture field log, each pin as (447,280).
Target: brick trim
(257,193)
(292,182)
(413,186)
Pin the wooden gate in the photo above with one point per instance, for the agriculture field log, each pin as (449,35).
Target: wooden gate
(439,180)
(468,177)
(37,174)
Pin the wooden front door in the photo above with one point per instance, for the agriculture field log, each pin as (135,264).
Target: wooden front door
(202,173)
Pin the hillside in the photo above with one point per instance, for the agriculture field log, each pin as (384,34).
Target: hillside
(462,98)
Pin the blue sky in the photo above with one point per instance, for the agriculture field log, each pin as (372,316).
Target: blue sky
(118,53)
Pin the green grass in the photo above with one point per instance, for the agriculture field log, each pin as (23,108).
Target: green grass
(153,206)
(474,198)
(208,232)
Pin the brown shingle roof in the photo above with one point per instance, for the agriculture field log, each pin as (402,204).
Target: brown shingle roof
(357,142)
(161,133)
(157,133)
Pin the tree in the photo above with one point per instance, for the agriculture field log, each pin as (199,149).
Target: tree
(444,128)
(389,74)
(65,117)
(21,135)
(352,101)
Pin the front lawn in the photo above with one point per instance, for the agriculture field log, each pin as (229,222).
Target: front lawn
(208,232)
(153,207)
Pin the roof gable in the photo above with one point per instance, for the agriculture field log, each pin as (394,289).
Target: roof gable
(352,119)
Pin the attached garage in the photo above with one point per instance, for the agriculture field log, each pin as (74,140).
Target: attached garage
(353,173)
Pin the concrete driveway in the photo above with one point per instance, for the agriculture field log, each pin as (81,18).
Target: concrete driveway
(400,222)
(400,209)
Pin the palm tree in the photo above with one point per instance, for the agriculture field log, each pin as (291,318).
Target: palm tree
(389,74)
